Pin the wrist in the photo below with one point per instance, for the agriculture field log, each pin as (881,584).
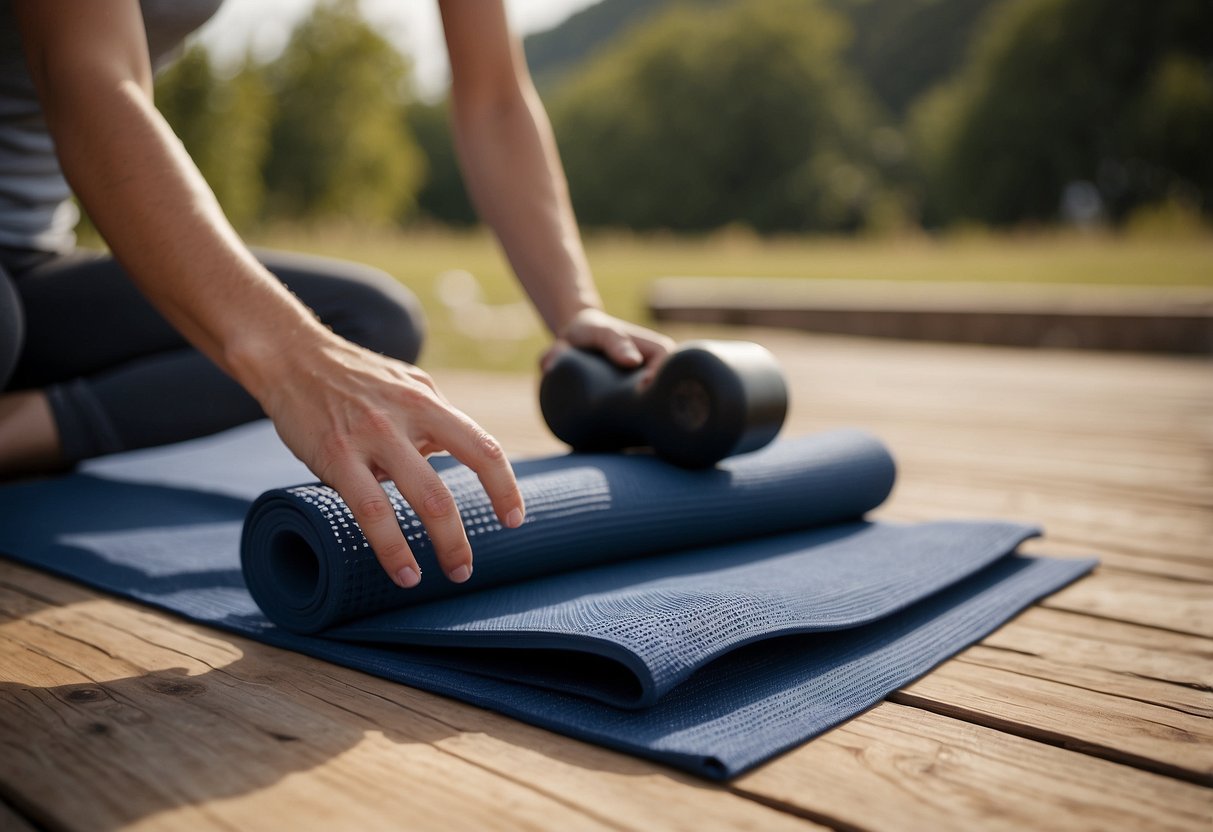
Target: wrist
(261,359)
(575,312)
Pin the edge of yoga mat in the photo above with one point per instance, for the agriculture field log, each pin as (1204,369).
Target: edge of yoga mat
(702,736)
(668,733)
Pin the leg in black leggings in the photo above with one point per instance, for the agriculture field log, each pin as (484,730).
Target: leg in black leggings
(119,377)
(12,327)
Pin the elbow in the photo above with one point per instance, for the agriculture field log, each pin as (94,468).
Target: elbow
(485,109)
(483,100)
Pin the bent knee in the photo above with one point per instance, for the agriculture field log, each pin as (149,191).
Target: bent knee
(12,327)
(381,315)
(359,302)
(394,322)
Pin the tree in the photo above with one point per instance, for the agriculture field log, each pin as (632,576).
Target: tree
(443,196)
(1118,95)
(224,124)
(340,144)
(554,54)
(904,47)
(708,116)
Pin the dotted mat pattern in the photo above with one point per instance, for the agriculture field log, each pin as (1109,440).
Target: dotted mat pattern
(707,620)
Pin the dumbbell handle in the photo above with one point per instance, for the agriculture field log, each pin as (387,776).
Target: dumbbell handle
(711,399)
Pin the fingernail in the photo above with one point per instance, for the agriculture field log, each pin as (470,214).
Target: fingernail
(514,518)
(460,573)
(408,577)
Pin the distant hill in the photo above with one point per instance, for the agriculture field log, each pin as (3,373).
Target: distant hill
(901,48)
(554,53)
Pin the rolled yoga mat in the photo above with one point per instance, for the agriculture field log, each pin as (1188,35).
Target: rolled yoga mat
(309,567)
(706,619)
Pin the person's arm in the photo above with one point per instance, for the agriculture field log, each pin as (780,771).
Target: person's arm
(512,169)
(351,415)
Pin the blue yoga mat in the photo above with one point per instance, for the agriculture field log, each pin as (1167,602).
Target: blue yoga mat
(707,619)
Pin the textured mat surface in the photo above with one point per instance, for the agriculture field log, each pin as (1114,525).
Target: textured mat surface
(707,619)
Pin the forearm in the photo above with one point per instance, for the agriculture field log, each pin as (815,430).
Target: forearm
(513,172)
(160,219)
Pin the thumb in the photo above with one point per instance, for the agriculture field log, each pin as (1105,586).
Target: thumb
(558,348)
(619,348)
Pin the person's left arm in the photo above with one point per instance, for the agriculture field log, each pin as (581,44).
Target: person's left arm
(512,170)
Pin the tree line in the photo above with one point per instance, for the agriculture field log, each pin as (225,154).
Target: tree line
(782,115)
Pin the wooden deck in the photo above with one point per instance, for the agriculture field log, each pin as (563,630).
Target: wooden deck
(1090,711)
(1174,319)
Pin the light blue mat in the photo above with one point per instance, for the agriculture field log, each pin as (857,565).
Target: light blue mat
(707,619)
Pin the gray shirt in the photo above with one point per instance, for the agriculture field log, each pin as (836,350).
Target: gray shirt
(36,210)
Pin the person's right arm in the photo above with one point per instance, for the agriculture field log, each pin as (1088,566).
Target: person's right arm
(352,416)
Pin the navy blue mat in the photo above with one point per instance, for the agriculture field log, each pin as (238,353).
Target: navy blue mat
(707,619)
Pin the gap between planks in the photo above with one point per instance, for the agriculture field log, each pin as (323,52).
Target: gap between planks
(154,721)
(898,767)
(1085,396)
(508,748)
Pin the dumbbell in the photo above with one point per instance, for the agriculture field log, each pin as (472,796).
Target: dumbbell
(710,400)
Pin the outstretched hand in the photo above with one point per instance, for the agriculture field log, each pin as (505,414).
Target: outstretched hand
(356,418)
(626,344)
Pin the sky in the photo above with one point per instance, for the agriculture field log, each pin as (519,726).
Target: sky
(413,25)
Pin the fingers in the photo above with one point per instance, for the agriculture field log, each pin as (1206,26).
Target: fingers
(437,510)
(654,348)
(612,342)
(625,344)
(594,329)
(476,449)
(553,352)
(375,516)
(619,347)
(364,417)
(444,427)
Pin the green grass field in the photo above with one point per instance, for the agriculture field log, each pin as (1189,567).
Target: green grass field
(510,338)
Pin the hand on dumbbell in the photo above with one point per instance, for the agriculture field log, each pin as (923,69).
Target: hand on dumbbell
(709,400)
(627,344)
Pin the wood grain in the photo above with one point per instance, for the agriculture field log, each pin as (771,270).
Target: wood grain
(1091,711)
(899,767)
(1163,668)
(1109,725)
(112,698)
(1179,606)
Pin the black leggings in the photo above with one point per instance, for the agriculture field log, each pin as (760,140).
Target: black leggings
(119,377)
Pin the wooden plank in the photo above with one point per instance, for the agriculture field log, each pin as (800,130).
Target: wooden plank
(145,638)
(175,749)
(897,767)
(1044,436)
(1065,536)
(1128,528)
(1108,530)
(1141,734)
(1040,397)
(1173,532)
(1022,400)
(1191,501)
(114,715)
(1060,544)
(1053,438)
(1126,660)
(1179,606)
(1108,318)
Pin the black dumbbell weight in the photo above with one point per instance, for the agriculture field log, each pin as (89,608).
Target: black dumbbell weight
(710,400)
